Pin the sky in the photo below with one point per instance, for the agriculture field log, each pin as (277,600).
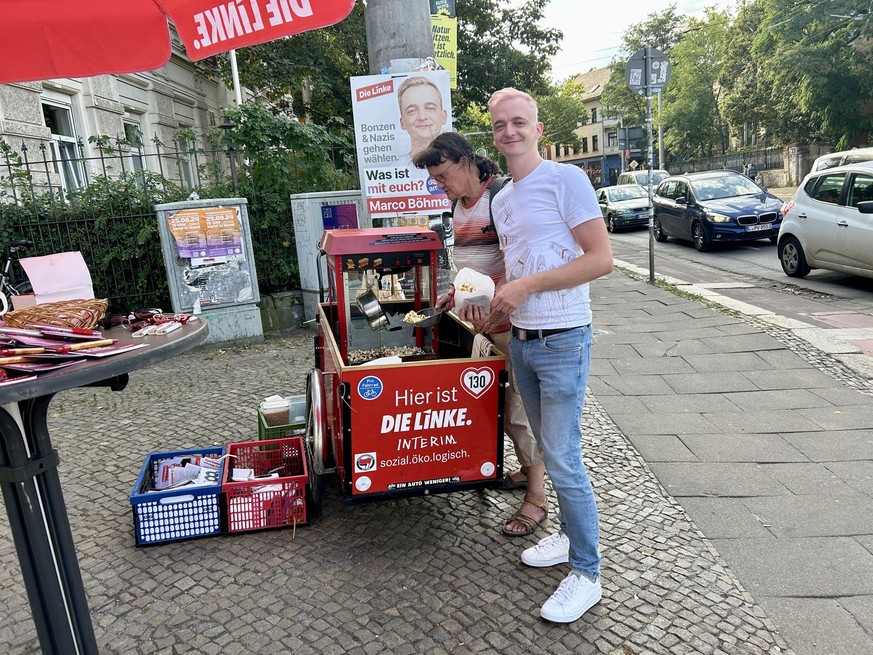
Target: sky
(593,31)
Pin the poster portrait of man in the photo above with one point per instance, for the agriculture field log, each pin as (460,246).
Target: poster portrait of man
(397,115)
(422,113)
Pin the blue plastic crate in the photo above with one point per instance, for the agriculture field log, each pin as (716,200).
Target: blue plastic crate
(183,513)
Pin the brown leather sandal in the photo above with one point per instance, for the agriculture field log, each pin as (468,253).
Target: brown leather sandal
(529,523)
(510,481)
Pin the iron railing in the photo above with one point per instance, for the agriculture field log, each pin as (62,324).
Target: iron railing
(763,159)
(110,215)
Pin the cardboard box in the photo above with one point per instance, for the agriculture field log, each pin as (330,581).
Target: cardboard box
(62,276)
(22,301)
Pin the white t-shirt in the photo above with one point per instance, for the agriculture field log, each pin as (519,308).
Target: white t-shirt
(534,218)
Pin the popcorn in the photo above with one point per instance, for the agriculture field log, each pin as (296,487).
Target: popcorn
(414,317)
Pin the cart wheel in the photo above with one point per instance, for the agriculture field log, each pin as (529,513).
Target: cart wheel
(316,437)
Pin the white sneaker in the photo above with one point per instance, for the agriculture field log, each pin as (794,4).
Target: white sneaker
(551,550)
(573,597)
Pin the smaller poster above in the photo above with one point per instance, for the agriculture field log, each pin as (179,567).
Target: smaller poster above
(444,24)
(206,232)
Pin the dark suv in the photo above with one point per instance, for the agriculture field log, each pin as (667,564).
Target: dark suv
(715,207)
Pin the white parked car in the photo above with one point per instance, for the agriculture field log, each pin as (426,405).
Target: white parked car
(829,223)
(642,177)
(843,158)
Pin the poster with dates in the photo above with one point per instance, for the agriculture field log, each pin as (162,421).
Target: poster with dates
(206,232)
(396,115)
(418,427)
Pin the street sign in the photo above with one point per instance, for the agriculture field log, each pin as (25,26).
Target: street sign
(659,71)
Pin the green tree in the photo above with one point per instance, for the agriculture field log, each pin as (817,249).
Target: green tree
(661,31)
(307,72)
(278,156)
(563,112)
(500,46)
(692,120)
(817,62)
(475,124)
(746,93)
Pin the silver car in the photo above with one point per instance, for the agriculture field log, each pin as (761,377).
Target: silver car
(626,205)
(829,223)
(833,159)
(642,177)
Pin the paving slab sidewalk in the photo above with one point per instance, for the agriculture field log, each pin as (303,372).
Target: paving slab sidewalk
(780,482)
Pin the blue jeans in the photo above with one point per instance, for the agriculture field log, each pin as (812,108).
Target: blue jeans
(552,375)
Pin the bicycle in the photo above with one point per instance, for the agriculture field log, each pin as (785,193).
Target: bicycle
(9,284)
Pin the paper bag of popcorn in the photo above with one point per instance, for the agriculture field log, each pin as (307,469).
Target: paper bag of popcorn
(472,288)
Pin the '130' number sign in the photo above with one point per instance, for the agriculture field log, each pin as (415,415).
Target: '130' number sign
(476,381)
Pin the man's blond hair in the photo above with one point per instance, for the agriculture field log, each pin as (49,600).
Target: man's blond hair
(511,93)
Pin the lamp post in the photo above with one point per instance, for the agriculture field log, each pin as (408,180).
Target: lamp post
(226,126)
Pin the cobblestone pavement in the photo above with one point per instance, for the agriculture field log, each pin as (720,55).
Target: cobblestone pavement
(421,575)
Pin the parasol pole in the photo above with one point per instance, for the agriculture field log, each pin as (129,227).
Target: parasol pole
(234,73)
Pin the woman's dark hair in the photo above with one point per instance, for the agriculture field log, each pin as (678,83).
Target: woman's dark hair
(451,146)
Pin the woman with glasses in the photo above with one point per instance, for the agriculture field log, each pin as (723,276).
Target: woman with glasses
(466,178)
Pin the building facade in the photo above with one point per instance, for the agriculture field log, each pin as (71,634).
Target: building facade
(607,146)
(56,124)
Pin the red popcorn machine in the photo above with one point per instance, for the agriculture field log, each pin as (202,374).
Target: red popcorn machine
(402,401)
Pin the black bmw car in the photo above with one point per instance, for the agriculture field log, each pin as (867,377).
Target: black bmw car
(715,207)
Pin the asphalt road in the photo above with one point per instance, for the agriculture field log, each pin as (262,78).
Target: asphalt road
(755,263)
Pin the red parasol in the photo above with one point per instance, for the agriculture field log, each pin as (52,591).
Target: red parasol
(78,38)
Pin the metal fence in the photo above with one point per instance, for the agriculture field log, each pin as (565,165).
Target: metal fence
(102,204)
(763,159)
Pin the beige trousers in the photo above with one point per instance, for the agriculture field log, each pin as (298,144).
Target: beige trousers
(516,425)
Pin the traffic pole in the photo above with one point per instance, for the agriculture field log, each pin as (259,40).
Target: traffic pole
(649,161)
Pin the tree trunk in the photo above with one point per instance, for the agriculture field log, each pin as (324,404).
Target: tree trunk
(397,29)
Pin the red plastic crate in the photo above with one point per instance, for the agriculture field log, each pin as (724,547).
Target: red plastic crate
(267,502)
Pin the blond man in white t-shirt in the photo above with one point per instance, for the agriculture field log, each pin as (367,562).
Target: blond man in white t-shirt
(554,243)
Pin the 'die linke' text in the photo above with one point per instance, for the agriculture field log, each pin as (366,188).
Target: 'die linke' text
(228,20)
(425,419)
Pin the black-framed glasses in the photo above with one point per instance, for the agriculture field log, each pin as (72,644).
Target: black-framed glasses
(441,178)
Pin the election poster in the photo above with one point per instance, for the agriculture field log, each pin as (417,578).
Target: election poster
(397,115)
(444,24)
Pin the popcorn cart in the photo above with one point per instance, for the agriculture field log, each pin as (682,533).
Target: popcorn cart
(399,403)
